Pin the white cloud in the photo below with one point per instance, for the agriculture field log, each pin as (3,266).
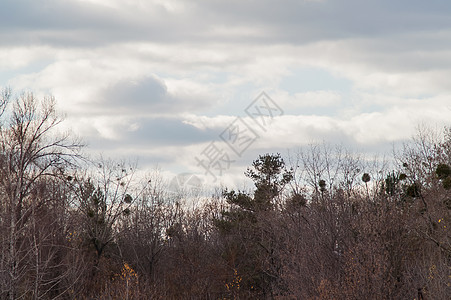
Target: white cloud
(219,122)
(307,99)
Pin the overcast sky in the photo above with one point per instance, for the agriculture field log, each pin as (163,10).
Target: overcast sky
(164,81)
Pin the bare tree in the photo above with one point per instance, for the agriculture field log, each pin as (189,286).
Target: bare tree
(30,151)
(104,193)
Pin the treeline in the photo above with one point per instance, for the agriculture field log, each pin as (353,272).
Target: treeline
(325,223)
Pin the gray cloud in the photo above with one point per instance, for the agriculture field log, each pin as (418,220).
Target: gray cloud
(145,96)
(153,132)
(163,131)
(63,23)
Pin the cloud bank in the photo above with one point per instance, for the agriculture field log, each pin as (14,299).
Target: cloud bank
(160,80)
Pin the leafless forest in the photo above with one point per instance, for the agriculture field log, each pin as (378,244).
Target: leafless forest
(323,223)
